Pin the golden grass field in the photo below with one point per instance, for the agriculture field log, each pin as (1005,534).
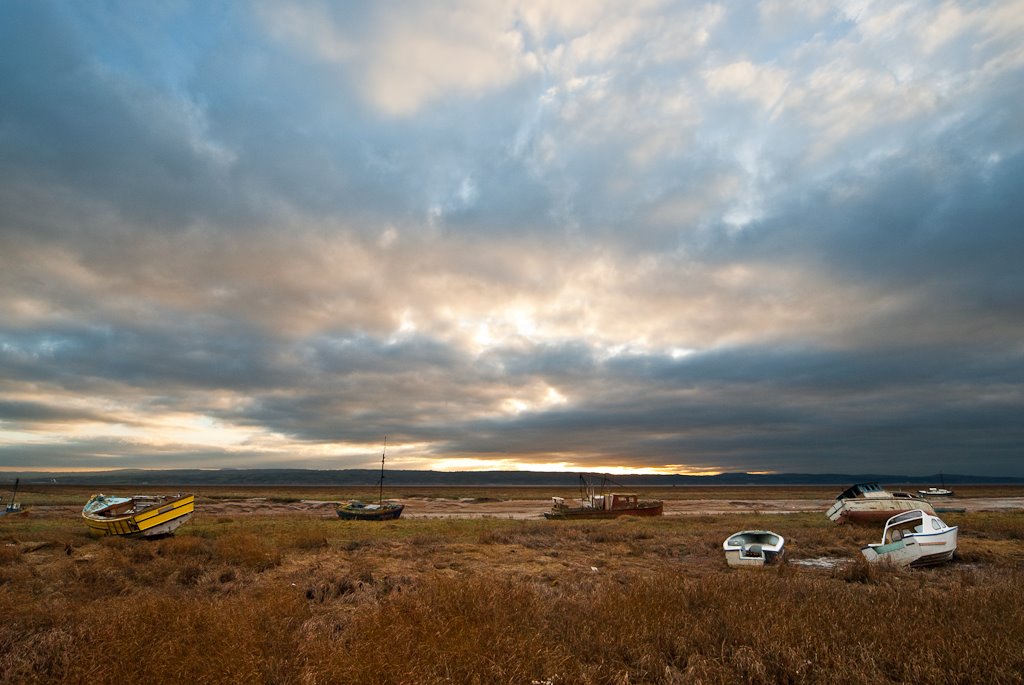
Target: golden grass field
(307,598)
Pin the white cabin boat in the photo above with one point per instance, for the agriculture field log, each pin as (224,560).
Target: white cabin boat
(754,548)
(914,538)
(870,503)
(936,492)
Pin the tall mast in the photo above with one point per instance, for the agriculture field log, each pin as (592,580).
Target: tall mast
(381,499)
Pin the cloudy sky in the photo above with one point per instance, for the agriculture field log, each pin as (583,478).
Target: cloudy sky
(649,236)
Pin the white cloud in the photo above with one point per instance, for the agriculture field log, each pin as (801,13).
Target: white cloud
(407,57)
(758,82)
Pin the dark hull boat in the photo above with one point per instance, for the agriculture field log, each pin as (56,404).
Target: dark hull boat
(12,507)
(381,511)
(358,511)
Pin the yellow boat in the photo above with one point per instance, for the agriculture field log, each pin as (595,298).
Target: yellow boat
(138,516)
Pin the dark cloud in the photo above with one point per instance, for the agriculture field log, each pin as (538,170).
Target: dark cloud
(39,413)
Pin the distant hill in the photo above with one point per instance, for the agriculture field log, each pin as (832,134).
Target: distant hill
(397,478)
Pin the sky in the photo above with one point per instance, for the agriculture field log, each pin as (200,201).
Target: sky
(666,237)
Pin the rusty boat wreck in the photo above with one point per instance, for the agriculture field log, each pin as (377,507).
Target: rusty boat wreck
(603,504)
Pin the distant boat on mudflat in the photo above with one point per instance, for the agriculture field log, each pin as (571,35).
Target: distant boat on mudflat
(13,507)
(935,492)
(941,491)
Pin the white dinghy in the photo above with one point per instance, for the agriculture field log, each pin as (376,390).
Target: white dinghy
(754,548)
(914,538)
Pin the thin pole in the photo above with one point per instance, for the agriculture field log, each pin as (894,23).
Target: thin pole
(381,499)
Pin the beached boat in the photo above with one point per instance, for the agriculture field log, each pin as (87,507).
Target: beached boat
(913,538)
(360,511)
(12,507)
(941,491)
(754,548)
(356,510)
(603,505)
(935,492)
(139,515)
(870,503)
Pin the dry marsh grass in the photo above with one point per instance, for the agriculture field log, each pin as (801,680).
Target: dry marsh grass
(295,599)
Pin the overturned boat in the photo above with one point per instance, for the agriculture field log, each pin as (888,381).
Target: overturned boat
(139,515)
(754,548)
(913,538)
(870,503)
(603,505)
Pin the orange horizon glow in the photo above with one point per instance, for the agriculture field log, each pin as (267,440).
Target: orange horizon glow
(462,465)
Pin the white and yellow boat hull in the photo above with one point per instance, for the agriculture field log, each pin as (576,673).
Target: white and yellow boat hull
(138,516)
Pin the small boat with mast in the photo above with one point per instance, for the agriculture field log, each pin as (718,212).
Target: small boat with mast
(12,507)
(941,491)
(357,510)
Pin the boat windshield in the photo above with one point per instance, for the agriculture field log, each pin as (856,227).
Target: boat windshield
(98,503)
(898,530)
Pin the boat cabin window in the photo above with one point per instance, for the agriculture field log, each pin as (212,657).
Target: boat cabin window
(936,524)
(858,490)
